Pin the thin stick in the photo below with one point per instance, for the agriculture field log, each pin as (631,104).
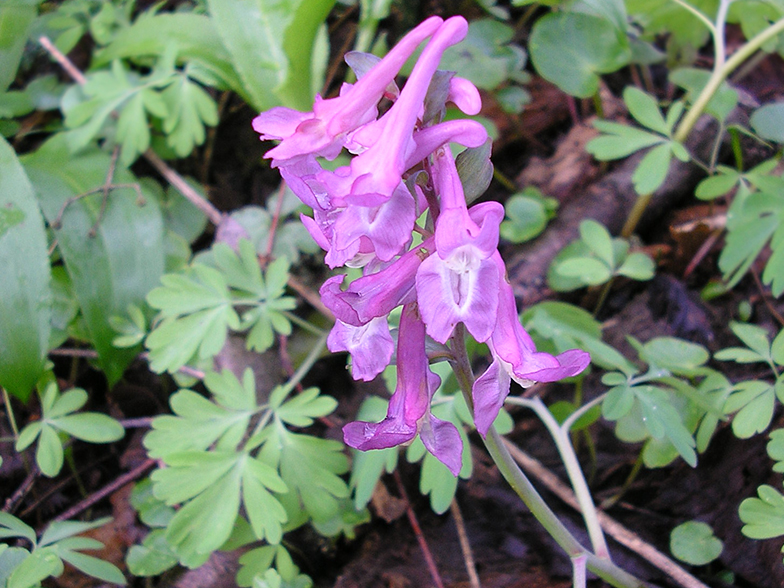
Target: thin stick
(110,488)
(214,215)
(431,563)
(64,62)
(275,220)
(24,488)
(465,545)
(613,528)
(312,297)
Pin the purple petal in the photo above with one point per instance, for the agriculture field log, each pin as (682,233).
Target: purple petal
(371,346)
(442,439)
(489,392)
(466,291)
(464,95)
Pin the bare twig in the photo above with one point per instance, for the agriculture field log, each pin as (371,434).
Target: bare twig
(24,488)
(107,187)
(312,297)
(431,563)
(110,488)
(64,62)
(613,528)
(465,545)
(214,215)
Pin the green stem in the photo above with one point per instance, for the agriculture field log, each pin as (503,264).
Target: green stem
(10,412)
(720,74)
(307,363)
(302,323)
(560,435)
(602,567)
(635,215)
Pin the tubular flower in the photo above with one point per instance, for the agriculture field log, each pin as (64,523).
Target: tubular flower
(322,131)
(409,408)
(460,282)
(515,358)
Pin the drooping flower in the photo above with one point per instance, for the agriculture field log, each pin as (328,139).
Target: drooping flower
(409,408)
(515,358)
(460,282)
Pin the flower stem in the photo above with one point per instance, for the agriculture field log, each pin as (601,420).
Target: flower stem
(602,567)
(560,435)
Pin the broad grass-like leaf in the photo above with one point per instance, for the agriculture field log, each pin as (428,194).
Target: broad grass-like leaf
(124,260)
(571,50)
(25,289)
(16,20)
(271,47)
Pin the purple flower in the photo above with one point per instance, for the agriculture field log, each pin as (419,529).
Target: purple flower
(322,131)
(409,408)
(515,358)
(377,294)
(371,346)
(375,173)
(460,283)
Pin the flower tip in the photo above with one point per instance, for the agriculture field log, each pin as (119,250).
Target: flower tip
(464,95)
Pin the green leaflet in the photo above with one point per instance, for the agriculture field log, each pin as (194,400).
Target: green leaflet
(25,290)
(595,258)
(122,262)
(59,415)
(197,306)
(194,37)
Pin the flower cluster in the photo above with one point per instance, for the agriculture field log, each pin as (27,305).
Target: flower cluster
(364,215)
